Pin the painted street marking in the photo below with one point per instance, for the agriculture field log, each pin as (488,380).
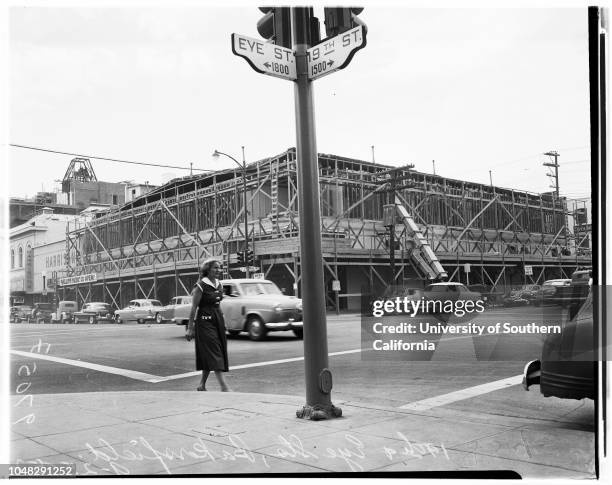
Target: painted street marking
(254,364)
(141,376)
(462,394)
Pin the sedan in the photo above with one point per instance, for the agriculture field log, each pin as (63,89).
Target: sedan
(450,297)
(568,365)
(554,292)
(93,312)
(139,311)
(258,306)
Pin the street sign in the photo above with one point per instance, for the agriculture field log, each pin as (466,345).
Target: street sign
(335,53)
(258,276)
(75,280)
(335,285)
(528,270)
(467,267)
(264,57)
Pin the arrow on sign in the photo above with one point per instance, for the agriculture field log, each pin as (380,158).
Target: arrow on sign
(335,53)
(264,57)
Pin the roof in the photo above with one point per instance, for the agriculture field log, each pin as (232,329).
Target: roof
(39,223)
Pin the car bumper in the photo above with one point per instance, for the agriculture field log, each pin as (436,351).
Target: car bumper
(288,325)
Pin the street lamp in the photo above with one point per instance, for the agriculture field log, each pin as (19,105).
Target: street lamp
(244,195)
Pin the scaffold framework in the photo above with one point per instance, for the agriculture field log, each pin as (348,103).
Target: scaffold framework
(153,246)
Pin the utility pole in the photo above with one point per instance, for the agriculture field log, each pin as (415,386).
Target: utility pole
(303,59)
(556,199)
(554,176)
(373,159)
(433,162)
(318,376)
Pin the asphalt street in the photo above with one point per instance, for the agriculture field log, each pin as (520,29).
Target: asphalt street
(110,357)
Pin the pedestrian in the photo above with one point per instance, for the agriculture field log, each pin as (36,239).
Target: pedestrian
(207,326)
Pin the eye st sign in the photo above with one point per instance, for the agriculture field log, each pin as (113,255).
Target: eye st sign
(264,57)
(335,53)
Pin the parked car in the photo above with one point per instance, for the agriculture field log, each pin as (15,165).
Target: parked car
(42,313)
(567,367)
(177,310)
(254,306)
(451,291)
(582,279)
(22,313)
(141,310)
(94,312)
(65,311)
(554,292)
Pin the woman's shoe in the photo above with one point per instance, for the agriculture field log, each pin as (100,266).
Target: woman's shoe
(201,388)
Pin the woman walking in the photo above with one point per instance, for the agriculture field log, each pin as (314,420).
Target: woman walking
(206,325)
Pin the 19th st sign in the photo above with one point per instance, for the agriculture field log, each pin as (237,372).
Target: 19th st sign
(336,53)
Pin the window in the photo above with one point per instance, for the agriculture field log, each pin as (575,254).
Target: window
(20,259)
(12,258)
(115,199)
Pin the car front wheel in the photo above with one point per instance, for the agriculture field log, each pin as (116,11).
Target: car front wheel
(256,328)
(159,318)
(118,319)
(92,320)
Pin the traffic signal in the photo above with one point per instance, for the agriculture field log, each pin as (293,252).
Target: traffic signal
(250,259)
(275,25)
(341,19)
(241,258)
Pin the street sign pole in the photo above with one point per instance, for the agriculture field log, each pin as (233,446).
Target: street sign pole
(318,376)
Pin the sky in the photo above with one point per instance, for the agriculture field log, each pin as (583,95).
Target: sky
(473,89)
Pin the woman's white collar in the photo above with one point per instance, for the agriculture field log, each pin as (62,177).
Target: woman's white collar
(210,283)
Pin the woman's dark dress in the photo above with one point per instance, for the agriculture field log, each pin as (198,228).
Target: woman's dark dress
(211,343)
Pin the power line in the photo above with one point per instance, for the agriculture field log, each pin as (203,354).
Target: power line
(105,158)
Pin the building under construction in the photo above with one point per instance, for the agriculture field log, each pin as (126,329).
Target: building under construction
(380,226)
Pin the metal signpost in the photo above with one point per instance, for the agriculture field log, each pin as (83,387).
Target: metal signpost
(303,64)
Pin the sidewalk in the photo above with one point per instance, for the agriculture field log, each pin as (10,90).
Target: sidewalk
(158,433)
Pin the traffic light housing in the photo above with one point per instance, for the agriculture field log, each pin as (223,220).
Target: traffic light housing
(341,19)
(240,255)
(275,25)
(250,259)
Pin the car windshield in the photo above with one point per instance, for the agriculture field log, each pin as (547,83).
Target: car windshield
(45,306)
(251,289)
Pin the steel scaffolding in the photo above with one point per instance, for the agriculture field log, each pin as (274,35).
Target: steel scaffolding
(153,246)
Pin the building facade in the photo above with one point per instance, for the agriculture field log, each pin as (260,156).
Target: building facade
(37,256)
(153,246)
